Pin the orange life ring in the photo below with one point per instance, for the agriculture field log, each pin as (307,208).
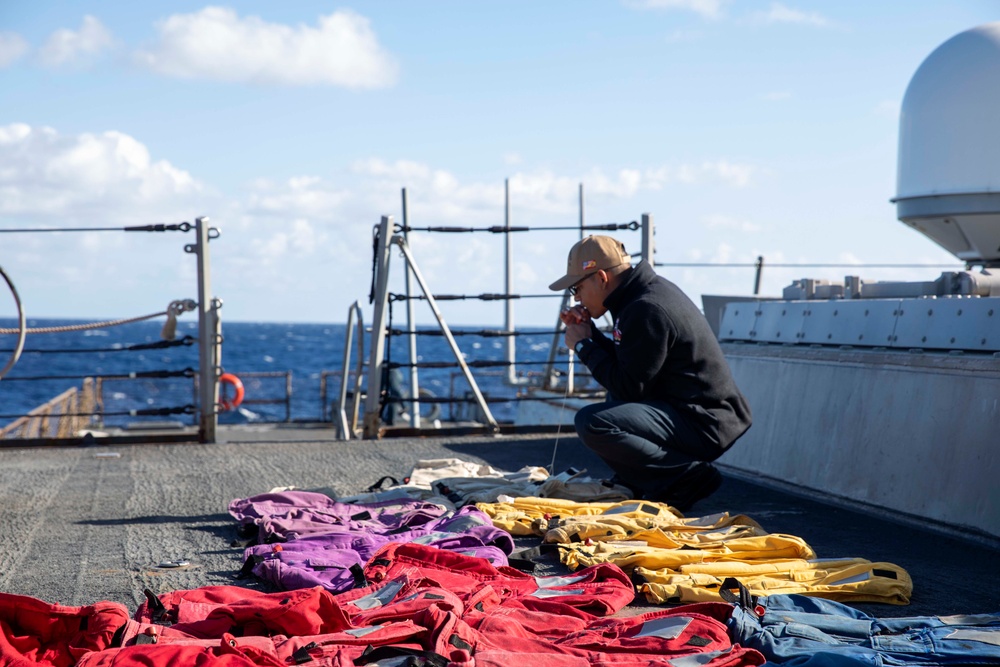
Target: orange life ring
(227,404)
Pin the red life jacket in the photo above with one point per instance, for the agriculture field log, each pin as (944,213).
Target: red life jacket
(33,632)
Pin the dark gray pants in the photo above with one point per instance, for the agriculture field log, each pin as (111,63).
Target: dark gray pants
(648,445)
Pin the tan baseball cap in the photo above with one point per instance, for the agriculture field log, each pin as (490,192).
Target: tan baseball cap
(589,255)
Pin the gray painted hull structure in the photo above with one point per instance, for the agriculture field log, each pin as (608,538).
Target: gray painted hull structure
(913,432)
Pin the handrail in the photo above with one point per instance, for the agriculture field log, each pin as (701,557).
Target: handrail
(68,409)
(346,428)
(21,329)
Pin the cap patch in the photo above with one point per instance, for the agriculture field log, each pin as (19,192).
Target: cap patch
(589,264)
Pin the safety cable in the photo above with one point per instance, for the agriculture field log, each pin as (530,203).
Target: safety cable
(753,265)
(481,363)
(188,409)
(488,399)
(505,229)
(180,227)
(482,297)
(160,344)
(187,372)
(485,333)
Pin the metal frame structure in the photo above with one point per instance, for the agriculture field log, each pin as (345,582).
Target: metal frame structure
(372,418)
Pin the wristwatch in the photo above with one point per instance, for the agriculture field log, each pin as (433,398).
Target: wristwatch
(579,345)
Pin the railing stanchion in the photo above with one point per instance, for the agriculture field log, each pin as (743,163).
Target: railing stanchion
(208,376)
(508,313)
(410,325)
(648,242)
(377,357)
(345,428)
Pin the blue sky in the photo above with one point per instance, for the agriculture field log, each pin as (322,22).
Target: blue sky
(745,128)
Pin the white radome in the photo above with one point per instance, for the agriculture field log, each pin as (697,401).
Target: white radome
(948,172)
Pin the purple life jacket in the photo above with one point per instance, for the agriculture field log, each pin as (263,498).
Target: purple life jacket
(291,514)
(334,560)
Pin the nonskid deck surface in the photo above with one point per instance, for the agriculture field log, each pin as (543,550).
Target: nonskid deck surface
(85,524)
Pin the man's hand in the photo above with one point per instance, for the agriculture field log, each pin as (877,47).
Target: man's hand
(578,314)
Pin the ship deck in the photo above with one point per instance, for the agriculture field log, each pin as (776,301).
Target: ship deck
(88,523)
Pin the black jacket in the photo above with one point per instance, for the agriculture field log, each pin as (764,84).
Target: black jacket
(663,349)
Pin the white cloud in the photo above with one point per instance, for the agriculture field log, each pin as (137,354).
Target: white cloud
(108,175)
(68,47)
(108,181)
(12,47)
(287,244)
(303,196)
(448,198)
(299,240)
(779,13)
(216,44)
(711,9)
(730,173)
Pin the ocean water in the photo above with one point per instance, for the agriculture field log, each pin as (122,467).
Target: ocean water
(53,362)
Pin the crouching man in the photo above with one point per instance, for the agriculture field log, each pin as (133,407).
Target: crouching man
(672,405)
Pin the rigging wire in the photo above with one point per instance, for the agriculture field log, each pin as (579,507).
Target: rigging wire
(505,229)
(488,399)
(160,344)
(136,375)
(188,409)
(462,297)
(485,333)
(803,265)
(180,227)
(480,363)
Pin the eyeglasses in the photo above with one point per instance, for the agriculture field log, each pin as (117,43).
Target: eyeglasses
(575,287)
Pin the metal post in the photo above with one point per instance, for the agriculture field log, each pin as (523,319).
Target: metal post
(411,329)
(343,430)
(372,405)
(359,373)
(550,369)
(759,264)
(216,326)
(398,240)
(208,374)
(508,322)
(288,397)
(648,246)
